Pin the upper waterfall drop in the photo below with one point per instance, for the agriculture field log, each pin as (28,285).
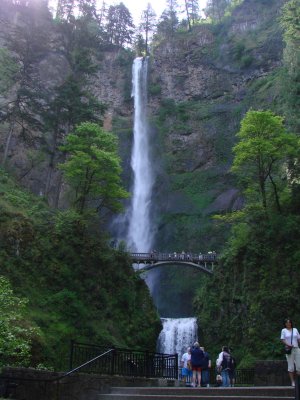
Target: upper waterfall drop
(140,233)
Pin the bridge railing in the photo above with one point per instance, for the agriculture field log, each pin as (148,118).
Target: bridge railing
(187,257)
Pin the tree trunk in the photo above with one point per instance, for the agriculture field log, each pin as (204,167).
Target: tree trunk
(187,15)
(7,145)
(276,194)
(263,191)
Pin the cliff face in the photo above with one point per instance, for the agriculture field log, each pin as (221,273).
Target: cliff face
(201,84)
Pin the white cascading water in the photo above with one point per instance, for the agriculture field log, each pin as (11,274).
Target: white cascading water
(177,335)
(140,234)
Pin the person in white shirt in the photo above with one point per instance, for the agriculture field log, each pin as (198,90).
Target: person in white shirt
(186,370)
(290,337)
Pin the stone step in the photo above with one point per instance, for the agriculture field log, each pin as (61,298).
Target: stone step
(187,397)
(157,393)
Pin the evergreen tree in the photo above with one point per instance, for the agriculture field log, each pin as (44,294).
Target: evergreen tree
(215,9)
(168,21)
(28,41)
(192,12)
(139,44)
(102,13)
(65,10)
(87,8)
(119,25)
(147,25)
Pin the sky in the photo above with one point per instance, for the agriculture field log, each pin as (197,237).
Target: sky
(137,6)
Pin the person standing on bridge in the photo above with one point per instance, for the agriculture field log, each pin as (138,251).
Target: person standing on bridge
(290,337)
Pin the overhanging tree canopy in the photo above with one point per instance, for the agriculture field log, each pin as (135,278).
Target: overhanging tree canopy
(93,168)
(263,148)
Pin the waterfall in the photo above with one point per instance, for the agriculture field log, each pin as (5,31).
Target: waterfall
(177,335)
(140,234)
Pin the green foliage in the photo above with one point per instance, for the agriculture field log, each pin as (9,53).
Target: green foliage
(249,292)
(290,20)
(263,148)
(8,70)
(246,61)
(16,332)
(217,9)
(167,108)
(93,168)
(155,90)
(76,286)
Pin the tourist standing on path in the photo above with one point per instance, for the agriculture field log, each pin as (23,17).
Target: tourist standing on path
(197,361)
(290,338)
(223,364)
(186,366)
(205,374)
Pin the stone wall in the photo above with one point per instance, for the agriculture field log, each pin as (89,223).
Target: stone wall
(271,373)
(31,384)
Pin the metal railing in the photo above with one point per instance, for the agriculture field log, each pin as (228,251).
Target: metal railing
(119,361)
(243,377)
(183,257)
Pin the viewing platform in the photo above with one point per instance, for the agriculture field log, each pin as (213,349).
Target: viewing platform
(147,261)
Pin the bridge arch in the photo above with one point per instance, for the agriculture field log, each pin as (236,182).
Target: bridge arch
(203,262)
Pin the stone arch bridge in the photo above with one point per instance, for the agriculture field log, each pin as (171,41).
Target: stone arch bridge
(148,261)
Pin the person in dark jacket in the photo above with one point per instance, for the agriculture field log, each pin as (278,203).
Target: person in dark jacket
(197,361)
(232,374)
(205,378)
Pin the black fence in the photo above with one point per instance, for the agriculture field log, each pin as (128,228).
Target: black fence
(244,376)
(124,362)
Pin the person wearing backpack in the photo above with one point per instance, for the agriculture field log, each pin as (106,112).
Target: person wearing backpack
(223,365)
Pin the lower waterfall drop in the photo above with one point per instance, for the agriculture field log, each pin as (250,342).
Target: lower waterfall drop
(177,334)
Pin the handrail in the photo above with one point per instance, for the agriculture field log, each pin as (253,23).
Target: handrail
(83,365)
(125,361)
